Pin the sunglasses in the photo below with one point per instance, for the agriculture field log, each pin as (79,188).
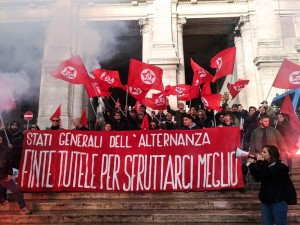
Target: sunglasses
(33,126)
(55,120)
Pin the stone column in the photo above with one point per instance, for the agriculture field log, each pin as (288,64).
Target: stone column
(54,92)
(145,25)
(240,72)
(163,49)
(77,91)
(180,70)
(251,90)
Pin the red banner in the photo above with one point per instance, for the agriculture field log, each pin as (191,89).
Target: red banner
(131,161)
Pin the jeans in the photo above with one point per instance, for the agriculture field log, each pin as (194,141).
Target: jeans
(274,213)
(11,185)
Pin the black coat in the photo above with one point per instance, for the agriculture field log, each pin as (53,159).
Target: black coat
(273,180)
(16,140)
(5,162)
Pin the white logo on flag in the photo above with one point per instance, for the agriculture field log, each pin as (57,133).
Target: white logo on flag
(294,77)
(107,78)
(135,91)
(148,76)
(219,63)
(205,102)
(69,72)
(202,73)
(238,87)
(179,90)
(160,100)
(96,87)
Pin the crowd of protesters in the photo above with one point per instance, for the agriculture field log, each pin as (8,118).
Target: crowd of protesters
(259,127)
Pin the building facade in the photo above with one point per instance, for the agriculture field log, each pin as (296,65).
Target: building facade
(169,33)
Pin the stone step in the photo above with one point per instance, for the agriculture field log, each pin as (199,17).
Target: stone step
(157,195)
(140,204)
(142,216)
(157,223)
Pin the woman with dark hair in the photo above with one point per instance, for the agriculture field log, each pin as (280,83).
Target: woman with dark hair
(203,118)
(275,184)
(34,127)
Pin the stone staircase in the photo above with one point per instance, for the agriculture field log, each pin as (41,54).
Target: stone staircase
(182,208)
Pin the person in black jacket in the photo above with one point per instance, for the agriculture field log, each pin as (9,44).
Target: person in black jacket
(15,137)
(273,175)
(6,181)
(78,124)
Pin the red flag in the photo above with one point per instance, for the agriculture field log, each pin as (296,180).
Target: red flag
(7,101)
(57,113)
(84,118)
(177,90)
(287,108)
(94,89)
(158,101)
(108,78)
(200,74)
(288,76)
(71,70)
(193,92)
(137,106)
(144,76)
(235,88)
(212,101)
(135,92)
(223,62)
(206,90)
(145,123)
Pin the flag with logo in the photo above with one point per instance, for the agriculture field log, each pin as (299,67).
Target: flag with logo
(135,92)
(223,62)
(177,89)
(144,76)
(7,101)
(212,101)
(235,88)
(94,89)
(71,70)
(107,78)
(200,74)
(193,92)
(288,76)
(157,102)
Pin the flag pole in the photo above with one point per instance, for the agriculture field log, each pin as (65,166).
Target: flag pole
(116,103)
(269,93)
(4,129)
(126,100)
(91,99)
(215,122)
